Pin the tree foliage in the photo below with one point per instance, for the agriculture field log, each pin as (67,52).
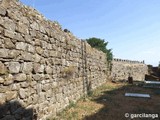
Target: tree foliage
(100,44)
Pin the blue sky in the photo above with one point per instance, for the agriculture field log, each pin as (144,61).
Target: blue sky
(132,27)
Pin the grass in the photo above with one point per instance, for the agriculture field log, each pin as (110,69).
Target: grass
(109,103)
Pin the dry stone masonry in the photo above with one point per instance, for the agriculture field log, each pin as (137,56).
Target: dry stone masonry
(122,69)
(42,67)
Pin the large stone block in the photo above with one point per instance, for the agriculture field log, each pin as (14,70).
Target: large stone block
(19,37)
(2,11)
(14,67)
(24,84)
(48,70)
(21,46)
(9,24)
(4,53)
(37,58)
(14,87)
(27,67)
(20,77)
(9,44)
(52,53)
(27,56)
(22,93)
(22,28)
(11,95)
(14,14)
(38,77)
(34,26)
(8,79)
(38,68)
(14,53)
(31,48)
(1,80)
(8,33)
(39,50)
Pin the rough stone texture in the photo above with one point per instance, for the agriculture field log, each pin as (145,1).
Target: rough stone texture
(20,77)
(14,67)
(43,68)
(122,69)
(3,69)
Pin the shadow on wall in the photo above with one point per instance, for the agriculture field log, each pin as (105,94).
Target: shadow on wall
(13,110)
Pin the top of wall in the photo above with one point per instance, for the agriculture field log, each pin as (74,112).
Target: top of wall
(17,11)
(22,19)
(127,61)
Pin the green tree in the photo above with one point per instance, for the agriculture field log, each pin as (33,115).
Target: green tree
(100,44)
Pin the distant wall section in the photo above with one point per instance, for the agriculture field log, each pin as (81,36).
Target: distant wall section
(121,69)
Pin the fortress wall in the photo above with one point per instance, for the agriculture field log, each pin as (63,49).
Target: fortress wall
(42,68)
(121,69)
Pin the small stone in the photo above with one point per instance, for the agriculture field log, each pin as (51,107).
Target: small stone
(29,77)
(3,69)
(27,56)
(21,46)
(39,50)
(2,11)
(2,98)
(14,53)
(9,44)
(48,70)
(22,28)
(20,77)
(22,93)
(14,67)
(9,34)
(27,67)
(42,97)
(37,58)
(19,37)
(38,68)
(14,87)
(52,53)
(11,95)
(30,48)
(35,26)
(38,77)
(24,84)
(1,80)
(4,53)
(4,89)
(9,24)
(35,98)
(33,33)
(8,79)
(15,15)
(46,87)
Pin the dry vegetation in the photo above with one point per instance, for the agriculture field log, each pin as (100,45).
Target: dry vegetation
(109,103)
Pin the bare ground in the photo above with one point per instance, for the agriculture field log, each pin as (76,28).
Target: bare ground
(109,103)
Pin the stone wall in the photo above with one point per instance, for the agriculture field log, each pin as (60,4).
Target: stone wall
(42,67)
(121,69)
